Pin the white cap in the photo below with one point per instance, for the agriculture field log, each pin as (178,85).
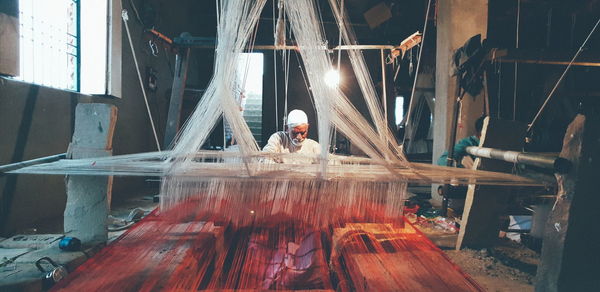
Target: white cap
(296,118)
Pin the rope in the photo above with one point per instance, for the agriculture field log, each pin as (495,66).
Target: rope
(137,69)
(561,78)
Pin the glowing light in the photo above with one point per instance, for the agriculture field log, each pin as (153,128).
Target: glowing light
(332,78)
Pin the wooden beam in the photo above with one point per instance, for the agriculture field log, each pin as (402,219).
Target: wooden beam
(407,44)
(484,204)
(545,57)
(571,244)
(175,103)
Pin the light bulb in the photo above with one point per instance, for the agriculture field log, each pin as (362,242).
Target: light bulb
(332,78)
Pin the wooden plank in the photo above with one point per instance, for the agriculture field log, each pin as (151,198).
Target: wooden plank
(155,255)
(409,262)
(179,80)
(540,56)
(570,255)
(483,204)
(370,274)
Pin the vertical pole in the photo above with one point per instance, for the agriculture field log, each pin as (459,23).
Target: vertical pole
(384,91)
(384,86)
(181,66)
(78,45)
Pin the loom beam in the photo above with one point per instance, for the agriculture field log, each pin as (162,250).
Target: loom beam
(554,163)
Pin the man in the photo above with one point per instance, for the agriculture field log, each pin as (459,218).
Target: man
(460,149)
(294,138)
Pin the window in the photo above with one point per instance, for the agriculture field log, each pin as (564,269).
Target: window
(48,39)
(64,44)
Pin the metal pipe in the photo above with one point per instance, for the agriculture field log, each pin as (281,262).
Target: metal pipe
(557,164)
(4,169)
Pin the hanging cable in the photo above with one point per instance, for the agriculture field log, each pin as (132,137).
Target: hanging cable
(514,116)
(215,60)
(561,78)
(137,68)
(339,69)
(287,54)
(412,94)
(275,72)
(281,34)
(339,60)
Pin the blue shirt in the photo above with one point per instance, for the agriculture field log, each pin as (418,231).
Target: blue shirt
(460,150)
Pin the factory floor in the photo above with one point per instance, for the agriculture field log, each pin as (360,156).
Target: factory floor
(509,266)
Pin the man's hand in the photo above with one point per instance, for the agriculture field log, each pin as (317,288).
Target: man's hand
(467,162)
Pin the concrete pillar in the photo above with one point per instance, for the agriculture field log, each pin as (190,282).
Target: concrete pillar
(88,197)
(457,21)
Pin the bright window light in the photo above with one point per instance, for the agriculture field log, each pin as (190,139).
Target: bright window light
(250,72)
(399,110)
(250,69)
(332,78)
(54,52)
(48,43)
(94,30)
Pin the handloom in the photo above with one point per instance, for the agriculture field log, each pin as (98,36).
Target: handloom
(272,210)
(249,176)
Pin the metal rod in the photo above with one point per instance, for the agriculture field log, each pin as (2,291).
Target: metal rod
(384,86)
(514,115)
(342,47)
(18,165)
(557,164)
(204,45)
(453,127)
